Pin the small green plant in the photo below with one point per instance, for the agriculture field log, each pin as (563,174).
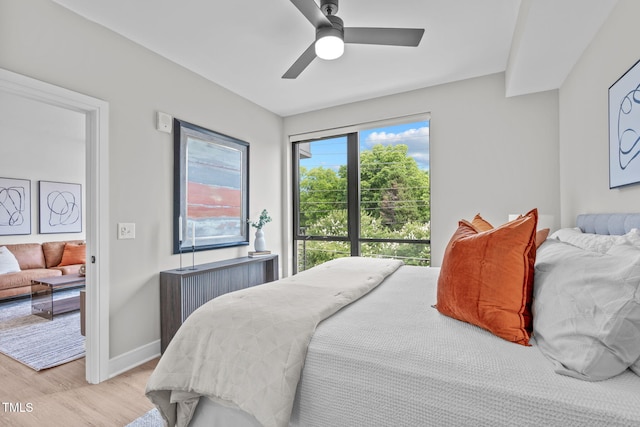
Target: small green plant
(264,219)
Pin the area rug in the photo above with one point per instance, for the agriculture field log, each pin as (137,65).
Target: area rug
(150,419)
(36,342)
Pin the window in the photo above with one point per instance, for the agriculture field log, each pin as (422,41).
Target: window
(364,193)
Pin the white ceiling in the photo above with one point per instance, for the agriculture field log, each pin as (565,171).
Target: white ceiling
(246,45)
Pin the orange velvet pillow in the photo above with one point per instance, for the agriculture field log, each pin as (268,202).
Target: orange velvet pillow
(73,254)
(541,236)
(486,278)
(480,223)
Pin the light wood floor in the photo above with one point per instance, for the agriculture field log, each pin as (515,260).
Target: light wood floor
(61,396)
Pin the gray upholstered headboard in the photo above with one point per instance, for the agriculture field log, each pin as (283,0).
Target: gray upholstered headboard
(608,223)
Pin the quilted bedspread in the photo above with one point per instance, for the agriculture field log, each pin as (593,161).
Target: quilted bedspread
(391,359)
(246,349)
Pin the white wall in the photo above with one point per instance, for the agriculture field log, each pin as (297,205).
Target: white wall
(41,142)
(47,42)
(489,154)
(584,126)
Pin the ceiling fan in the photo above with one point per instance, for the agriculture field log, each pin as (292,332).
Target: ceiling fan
(331,35)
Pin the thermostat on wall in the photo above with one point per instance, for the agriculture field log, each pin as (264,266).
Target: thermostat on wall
(164,122)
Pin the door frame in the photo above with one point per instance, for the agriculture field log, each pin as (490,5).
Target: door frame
(96,112)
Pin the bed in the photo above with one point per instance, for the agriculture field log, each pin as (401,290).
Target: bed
(385,356)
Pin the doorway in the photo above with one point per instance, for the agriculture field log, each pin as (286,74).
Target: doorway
(96,118)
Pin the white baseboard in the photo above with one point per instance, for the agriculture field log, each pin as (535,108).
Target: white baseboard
(133,358)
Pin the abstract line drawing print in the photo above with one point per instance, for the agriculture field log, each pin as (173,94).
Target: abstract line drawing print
(63,208)
(12,206)
(15,206)
(60,207)
(624,129)
(629,128)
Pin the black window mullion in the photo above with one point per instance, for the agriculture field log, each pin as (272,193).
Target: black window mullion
(296,192)
(353,192)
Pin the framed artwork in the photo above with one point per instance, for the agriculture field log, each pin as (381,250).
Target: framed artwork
(624,129)
(15,206)
(211,189)
(60,207)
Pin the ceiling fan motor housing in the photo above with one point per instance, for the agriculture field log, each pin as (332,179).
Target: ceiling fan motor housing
(336,29)
(329,7)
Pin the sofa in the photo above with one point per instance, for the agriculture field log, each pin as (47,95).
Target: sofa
(36,261)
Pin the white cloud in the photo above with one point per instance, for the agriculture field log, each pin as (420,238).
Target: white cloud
(420,134)
(417,140)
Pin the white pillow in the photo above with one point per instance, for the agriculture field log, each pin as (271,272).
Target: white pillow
(564,233)
(8,261)
(636,367)
(586,309)
(633,237)
(592,242)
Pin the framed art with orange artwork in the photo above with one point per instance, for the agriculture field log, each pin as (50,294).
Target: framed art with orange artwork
(211,189)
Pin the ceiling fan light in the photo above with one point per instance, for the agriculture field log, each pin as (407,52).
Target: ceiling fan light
(329,44)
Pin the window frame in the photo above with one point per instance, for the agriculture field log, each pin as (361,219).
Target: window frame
(353,194)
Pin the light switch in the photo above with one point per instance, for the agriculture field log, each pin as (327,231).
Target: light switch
(126,230)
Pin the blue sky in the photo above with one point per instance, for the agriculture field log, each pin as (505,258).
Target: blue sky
(332,153)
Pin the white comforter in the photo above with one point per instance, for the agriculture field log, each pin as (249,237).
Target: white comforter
(246,349)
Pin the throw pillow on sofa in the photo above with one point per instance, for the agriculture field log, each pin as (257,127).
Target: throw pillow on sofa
(73,254)
(8,261)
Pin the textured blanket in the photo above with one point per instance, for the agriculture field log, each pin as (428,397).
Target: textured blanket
(246,349)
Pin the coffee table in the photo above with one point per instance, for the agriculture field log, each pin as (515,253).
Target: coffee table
(42,290)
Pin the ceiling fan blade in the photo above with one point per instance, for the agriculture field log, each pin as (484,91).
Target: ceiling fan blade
(384,36)
(301,63)
(312,12)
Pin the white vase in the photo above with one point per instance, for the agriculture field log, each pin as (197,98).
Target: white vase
(259,244)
